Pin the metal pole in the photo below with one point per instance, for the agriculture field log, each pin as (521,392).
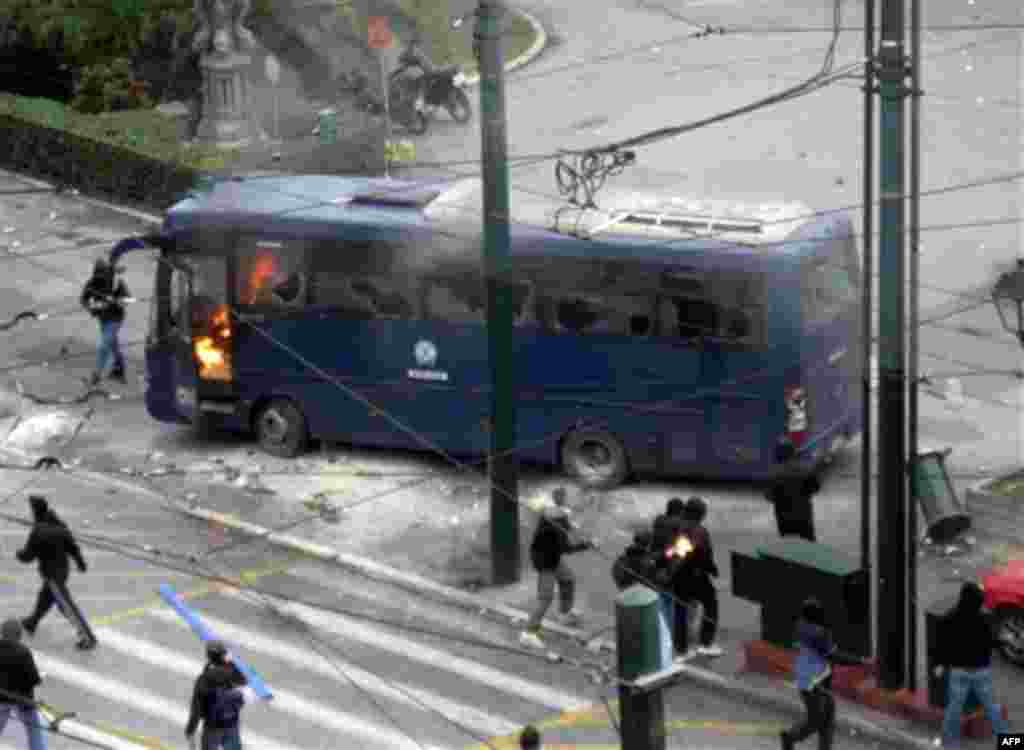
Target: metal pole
(892,449)
(867,321)
(642,647)
(912,363)
(503,464)
(388,144)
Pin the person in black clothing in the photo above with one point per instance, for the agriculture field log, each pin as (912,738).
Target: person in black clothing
(791,494)
(635,564)
(51,543)
(704,569)
(529,738)
(219,674)
(555,537)
(966,638)
(682,575)
(18,680)
(104,296)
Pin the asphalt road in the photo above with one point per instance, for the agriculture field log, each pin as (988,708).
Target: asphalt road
(351,662)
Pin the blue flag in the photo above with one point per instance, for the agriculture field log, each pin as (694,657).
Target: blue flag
(190,616)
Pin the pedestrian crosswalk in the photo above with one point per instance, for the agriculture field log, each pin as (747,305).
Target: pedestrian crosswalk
(340,683)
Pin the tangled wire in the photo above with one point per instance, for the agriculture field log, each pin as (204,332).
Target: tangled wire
(586,173)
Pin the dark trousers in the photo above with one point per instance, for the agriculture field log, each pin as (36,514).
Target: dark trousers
(795,517)
(681,625)
(705,592)
(820,718)
(45,601)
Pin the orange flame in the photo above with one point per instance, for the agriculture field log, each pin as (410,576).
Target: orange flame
(213,361)
(262,273)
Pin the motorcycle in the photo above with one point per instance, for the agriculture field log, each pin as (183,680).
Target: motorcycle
(442,89)
(404,101)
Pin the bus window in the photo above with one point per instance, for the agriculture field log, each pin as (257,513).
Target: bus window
(613,314)
(271,275)
(730,307)
(454,300)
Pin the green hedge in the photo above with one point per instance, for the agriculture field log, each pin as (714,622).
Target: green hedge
(94,168)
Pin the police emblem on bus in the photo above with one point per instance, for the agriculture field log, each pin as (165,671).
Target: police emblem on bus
(425,353)
(426,357)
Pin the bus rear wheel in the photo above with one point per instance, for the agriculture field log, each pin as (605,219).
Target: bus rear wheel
(594,458)
(281,429)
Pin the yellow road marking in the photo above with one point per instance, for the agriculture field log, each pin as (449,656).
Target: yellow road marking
(142,740)
(245,576)
(596,717)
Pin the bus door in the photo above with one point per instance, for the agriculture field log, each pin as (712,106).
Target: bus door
(731,323)
(184,368)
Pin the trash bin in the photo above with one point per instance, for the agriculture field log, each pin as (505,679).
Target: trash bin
(938,686)
(780,575)
(943,512)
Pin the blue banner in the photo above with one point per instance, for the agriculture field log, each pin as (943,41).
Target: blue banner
(190,616)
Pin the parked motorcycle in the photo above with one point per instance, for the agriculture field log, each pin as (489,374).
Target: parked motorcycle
(438,87)
(404,101)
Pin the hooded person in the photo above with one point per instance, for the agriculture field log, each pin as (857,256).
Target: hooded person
(52,545)
(19,678)
(554,538)
(635,565)
(217,697)
(966,638)
(104,296)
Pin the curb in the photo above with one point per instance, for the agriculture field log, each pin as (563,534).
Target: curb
(140,215)
(529,56)
(448,595)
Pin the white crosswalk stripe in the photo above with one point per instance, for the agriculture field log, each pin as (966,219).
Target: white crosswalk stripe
(407,695)
(135,697)
(303,709)
(350,629)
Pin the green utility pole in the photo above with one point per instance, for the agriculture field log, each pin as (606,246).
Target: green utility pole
(503,465)
(643,645)
(892,464)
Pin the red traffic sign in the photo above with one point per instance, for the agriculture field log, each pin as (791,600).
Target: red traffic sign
(379,36)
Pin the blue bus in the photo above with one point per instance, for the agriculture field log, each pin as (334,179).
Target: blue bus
(663,338)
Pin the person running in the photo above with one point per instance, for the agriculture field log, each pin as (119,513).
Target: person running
(52,544)
(553,539)
(218,695)
(19,678)
(814,677)
(104,296)
(966,640)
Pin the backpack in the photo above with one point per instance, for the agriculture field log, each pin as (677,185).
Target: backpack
(225,706)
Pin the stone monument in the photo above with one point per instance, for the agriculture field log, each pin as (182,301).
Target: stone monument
(222,42)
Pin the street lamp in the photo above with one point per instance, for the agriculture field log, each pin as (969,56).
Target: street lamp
(1008,297)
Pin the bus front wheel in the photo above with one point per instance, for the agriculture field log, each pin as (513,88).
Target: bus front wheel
(281,429)
(594,458)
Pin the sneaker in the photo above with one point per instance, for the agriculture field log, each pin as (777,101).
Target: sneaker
(118,375)
(530,640)
(86,644)
(572,618)
(712,649)
(680,657)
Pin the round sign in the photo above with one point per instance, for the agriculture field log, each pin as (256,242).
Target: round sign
(273,69)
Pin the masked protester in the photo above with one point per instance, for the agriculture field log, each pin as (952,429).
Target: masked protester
(966,639)
(52,544)
(635,564)
(18,681)
(104,296)
(554,538)
(219,693)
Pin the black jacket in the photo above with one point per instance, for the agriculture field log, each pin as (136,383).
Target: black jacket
(51,543)
(104,298)
(18,673)
(967,635)
(703,553)
(202,694)
(553,539)
(635,565)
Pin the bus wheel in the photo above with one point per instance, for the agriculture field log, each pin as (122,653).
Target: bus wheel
(281,429)
(595,458)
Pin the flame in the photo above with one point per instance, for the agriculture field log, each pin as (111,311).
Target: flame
(213,361)
(682,548)
(263,271)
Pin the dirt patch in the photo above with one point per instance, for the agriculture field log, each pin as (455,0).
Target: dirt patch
(1011,486)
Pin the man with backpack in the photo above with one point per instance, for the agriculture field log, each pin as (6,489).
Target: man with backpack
(219,693)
